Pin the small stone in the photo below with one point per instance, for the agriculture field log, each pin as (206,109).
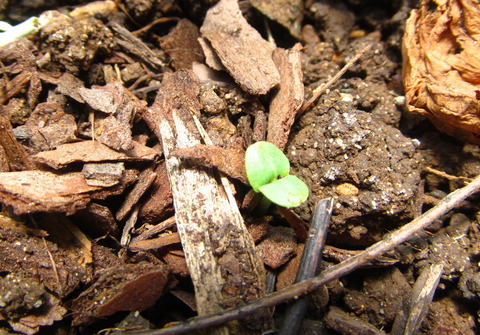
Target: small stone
(347,189)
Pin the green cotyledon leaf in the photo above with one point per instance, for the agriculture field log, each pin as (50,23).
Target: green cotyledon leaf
(264,163)
(289,191)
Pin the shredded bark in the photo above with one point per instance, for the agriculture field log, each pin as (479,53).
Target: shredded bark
(241,49)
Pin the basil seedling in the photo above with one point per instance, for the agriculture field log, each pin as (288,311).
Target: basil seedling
(268,171)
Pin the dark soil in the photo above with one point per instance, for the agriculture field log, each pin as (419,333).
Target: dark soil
(357,143)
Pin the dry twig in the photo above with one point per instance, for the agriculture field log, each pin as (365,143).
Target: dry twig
(322,88)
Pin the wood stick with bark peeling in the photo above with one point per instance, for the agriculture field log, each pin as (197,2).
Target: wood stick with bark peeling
(219,251)
(389,242)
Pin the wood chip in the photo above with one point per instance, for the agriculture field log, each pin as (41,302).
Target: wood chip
(344,323)
(103,174)
(211,57)
(134,45)
(129,287)
(69,85)
(176,262)
(286,275)
(48,127)
(97,220)
(155,243)
(182,45)
(16,158)
(40,191)
(156,229)
(230,161)
(145,179)
(277,248)
(91,152)
(242,50)
(288,13)
(122,105)
(159,204)
(289,96)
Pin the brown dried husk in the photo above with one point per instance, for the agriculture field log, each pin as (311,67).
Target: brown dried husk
(441,66)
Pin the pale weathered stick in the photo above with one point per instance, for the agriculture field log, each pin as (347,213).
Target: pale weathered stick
(387,244)
(219,251)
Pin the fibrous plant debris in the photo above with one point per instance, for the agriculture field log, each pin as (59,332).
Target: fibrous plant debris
(442,66)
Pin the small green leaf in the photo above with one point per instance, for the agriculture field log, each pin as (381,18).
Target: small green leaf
(288,191)
(264,163)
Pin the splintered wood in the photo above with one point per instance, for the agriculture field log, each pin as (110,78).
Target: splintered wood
(219,251)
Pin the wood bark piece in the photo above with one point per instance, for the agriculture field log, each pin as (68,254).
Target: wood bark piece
(155,243)
(289,97)
(159,204)
(91,152)
(288,13)
(220,253)
(344,323)
(230,161)
(182,46)
(145,179)
(41,191)
(115,99)
(15,155)
(129,287)
(134,45)
(242,50)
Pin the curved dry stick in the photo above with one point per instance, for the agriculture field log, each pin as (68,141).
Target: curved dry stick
(389,242)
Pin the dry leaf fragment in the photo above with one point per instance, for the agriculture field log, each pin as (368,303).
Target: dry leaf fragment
(441,66)
(242,50)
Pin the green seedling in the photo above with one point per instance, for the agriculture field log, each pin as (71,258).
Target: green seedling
(268,173)
(12,33)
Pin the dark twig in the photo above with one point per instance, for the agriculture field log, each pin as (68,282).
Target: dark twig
(322,88)
(388,243)
(311,257)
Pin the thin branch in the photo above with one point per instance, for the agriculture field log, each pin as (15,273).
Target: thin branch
(295,291)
